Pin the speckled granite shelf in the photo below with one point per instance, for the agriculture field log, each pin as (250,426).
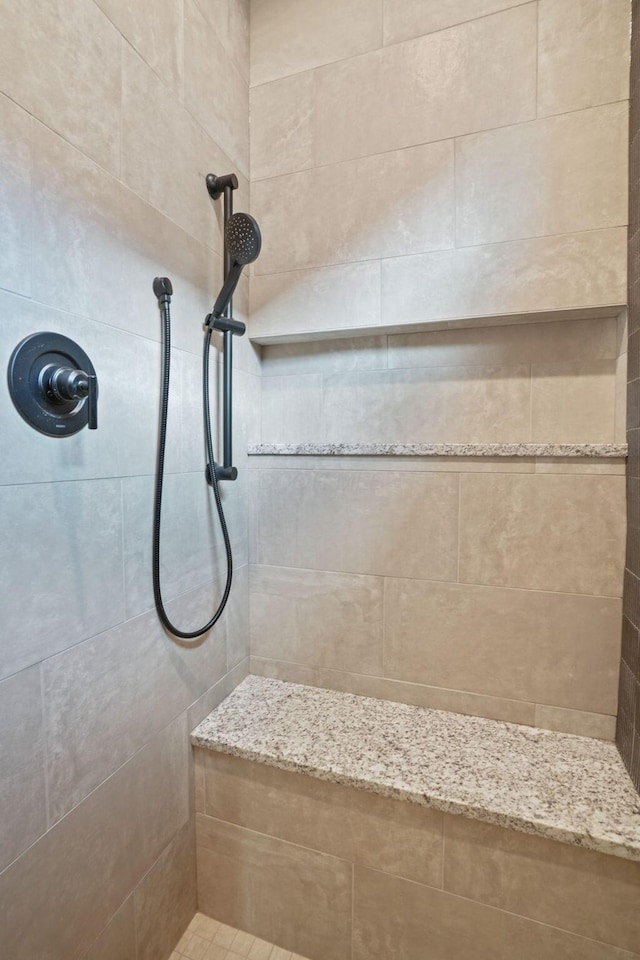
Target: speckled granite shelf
(568,788)
(591,450)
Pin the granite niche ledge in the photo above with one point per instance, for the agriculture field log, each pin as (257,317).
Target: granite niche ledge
(567,788)
(594,451)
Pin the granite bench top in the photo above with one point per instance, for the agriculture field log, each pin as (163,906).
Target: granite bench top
(555,785)
(557,450)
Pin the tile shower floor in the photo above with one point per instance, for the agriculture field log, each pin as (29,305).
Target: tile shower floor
(206,939)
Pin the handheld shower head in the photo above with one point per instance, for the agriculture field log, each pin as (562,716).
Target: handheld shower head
(243,241)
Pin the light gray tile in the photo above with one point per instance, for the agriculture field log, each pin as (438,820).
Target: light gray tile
(399,691)
(288,37)
(447,404)
(76,876)
(404,19)
(15,197)
(281,126)
(556,273)
(578,549)
(107,697)
(215,91)
(552,176)
(77,254)
(61,566)
(325,356)
(118,940)
(279,891)
(573,402)
(309,301)
(583,54)
(216,694)
(580,722)
(414,213)
(523,644)
(230,20)
(22,785)
(192,549)
(128,370)
(235,620)
(62,64)
(166,900)
(292,408)
(439,86)
(154,29)
(319,618)
(171,178)
(351,522)
(559,342)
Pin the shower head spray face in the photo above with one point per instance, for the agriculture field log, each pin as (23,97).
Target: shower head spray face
(243,238)
(243,241)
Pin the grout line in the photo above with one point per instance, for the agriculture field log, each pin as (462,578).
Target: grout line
(397,43)
(453,249)
(45,745)
(425,143)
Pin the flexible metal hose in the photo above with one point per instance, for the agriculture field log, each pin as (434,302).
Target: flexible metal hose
(162,439)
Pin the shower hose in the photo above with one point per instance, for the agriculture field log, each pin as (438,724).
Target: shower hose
(211,476)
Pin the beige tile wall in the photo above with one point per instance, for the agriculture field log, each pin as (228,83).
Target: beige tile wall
(485,586)
(111,115)
(342,870)
(472,152)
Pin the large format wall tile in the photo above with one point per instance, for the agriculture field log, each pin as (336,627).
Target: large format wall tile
(118,940)
(325,356)
(399,691)
(282,126)
(558,342)
(61,62)
(542,647)
(286,894)
(71,586)
(414,213)
(573,402)
(22,785)
(524,875)
(404,19)
(405,525)
(110,451)
(553,273)
(583,54)
(445,404)
(154,29)
(316,617)
(379,832)
(15,197)
(76,876)
(553,176)
(166,900)
(230,20)
(291,409)
(288,37)
(416,921)
(560,533)
(331,298)
(192,548)
(215,91)
(419,91)
(169,172)
(108,696)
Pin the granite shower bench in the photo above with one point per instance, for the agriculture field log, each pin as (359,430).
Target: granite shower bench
(342,827)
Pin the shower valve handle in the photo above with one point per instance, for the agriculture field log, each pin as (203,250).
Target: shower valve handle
(65,384)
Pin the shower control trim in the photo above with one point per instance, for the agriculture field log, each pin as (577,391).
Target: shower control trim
(53,385)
